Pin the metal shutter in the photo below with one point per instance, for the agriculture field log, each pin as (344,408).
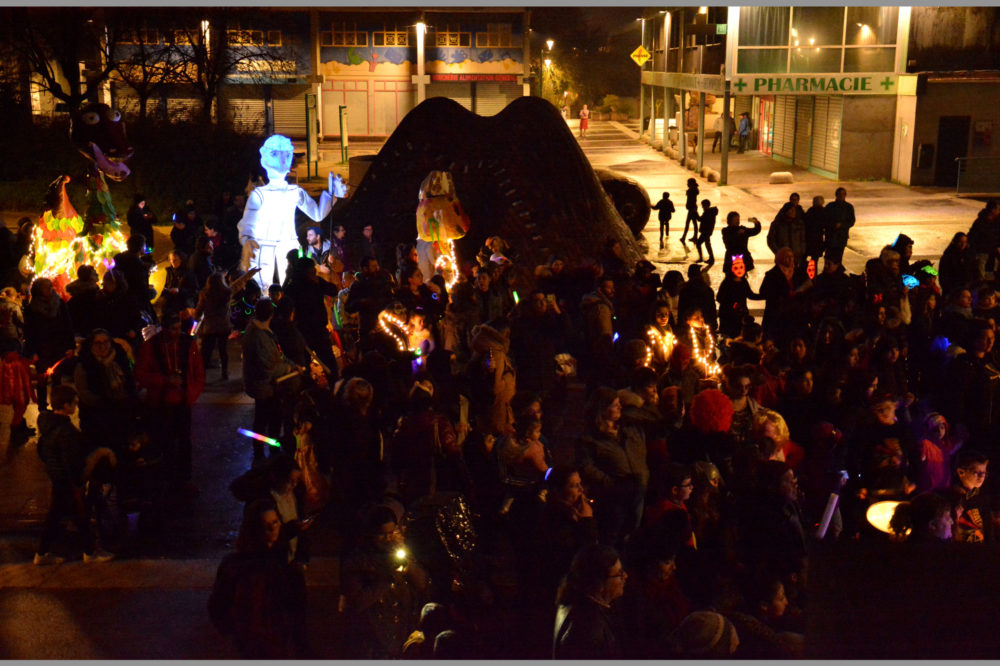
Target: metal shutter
(784,125)
(492,98)
(247,115)
(821,114)
(460,92)
(741,103)
(290,116)
(803,131)
(832,159)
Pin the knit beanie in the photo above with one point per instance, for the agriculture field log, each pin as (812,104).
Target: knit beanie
(704,635)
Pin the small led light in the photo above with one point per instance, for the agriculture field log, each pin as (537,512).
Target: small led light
(401,554)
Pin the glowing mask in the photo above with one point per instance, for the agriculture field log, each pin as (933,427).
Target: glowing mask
(738,268)
(811,269)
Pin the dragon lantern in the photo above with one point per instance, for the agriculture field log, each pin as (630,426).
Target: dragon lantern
(63,240)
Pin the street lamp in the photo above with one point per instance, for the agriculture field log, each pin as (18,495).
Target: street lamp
(548,64)
(550,43)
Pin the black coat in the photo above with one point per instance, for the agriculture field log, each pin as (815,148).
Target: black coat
(586,630)
(735,240)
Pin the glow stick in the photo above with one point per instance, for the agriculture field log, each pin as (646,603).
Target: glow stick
(262,438)
(824,524)
(517,299)
(194,329)
(288,376)
(52,369)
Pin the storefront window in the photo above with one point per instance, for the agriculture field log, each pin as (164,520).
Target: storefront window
(764,61)
(817,26)
(815,60)
(871,25)
(764,26)
(870,60)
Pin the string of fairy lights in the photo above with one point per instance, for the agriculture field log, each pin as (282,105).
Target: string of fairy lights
(386,320)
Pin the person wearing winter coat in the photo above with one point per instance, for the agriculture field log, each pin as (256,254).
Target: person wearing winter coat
(48,333)
(141,219)
(212,311)
(259,596)
(64,451)
(612,462)
(495,380)
(788,230)
(839,220)
(169,367)
(263,364)
(735,238)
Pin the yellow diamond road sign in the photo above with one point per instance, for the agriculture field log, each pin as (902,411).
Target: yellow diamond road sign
(640,55)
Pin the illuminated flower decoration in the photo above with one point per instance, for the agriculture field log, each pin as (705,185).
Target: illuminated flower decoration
(662,343)
(704,357)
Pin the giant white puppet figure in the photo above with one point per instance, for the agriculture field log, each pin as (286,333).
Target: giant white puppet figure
(267,230)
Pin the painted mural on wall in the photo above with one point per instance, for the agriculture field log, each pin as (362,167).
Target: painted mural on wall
(392,50)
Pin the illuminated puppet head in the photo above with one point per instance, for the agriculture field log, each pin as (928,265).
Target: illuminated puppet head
(738,268)
(440,217)
(811,269)
(276,156)
(98,132)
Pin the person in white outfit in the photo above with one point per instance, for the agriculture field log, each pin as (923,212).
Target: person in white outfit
(267,229)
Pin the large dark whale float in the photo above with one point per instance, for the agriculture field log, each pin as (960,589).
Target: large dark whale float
(519,174)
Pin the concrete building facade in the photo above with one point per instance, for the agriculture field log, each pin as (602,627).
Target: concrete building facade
(846,92)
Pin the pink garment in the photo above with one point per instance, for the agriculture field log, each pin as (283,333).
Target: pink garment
(935,473)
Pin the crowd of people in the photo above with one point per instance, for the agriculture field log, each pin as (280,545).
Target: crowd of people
(581,458)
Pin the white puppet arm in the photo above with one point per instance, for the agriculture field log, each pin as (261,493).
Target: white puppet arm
(336,189)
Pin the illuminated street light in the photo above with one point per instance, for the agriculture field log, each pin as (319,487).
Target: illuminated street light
(550,43)
(548,62)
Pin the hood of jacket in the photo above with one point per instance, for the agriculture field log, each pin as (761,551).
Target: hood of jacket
(487,337)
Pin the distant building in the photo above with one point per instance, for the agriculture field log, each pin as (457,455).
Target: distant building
(847,92)
(379,63)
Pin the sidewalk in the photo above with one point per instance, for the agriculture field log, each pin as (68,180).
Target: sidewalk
(138,609)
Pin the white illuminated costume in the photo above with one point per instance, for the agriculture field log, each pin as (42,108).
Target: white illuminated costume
(267,229)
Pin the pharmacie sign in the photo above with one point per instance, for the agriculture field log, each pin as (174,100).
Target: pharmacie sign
(815,84)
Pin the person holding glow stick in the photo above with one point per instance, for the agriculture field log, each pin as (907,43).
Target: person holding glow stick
(263,364)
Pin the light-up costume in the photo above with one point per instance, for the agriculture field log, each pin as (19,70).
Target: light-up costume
(267,229)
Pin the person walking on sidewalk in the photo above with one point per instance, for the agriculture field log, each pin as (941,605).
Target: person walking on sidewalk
(666,210)
(709,214)
(584,120)
(62,448)
(692,210)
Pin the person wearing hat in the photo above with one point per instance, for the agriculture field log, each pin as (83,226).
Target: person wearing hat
(705,635)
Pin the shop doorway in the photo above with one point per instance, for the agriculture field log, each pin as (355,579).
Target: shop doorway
(952,142)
